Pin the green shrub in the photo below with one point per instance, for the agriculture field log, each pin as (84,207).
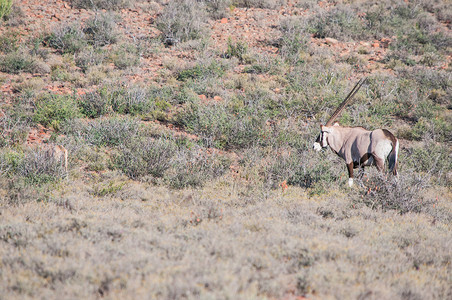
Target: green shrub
(219,127)
(428,158)
(95,104)
(202,70)
(182,20)
(13,130)
(341,22)
(293,42)
(54,109)
(239,50)
(18,61)
(5,8)
(133,100)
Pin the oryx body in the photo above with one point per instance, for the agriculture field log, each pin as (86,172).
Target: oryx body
(360,147)
(356,145)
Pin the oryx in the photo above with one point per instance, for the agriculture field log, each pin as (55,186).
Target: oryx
(357,146)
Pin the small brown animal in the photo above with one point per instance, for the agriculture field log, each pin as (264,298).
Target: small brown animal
(56,153)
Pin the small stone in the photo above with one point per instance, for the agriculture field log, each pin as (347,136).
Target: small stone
(224,20)
(217,98)
(202,97)
(376,45)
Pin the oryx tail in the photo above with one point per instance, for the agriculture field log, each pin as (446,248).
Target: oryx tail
(393,157)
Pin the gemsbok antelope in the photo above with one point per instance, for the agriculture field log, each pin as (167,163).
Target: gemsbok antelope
(357,146)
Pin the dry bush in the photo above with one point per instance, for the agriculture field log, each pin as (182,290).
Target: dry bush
(182,20)
(403,193)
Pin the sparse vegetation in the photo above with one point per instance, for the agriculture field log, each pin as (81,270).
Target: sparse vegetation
(191,170)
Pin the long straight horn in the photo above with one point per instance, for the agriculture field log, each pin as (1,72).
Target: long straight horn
(347,99)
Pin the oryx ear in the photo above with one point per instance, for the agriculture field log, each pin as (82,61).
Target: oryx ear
(325,128)
(336,124)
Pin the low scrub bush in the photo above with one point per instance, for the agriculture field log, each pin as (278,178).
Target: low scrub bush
(18,61)
(95,104)
(36,166)
(67,38)
(112,131)
(202,70)
(238,49)
(9,41)
(341,22)
(133,100)
(182,20)
(89,57)
(403,193)
(145,156)
(429,158)
(218,8)
(194,167)
(125,56)
(52,110)
(100,4)
(13,130)
(260,3)
(293,42)
(221,127)
(101,30)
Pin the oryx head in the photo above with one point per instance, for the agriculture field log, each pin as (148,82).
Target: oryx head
(321,141)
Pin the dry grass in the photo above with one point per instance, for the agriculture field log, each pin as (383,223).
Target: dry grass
(147,241)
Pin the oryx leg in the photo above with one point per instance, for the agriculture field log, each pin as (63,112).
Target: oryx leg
(350,174)
(379,163)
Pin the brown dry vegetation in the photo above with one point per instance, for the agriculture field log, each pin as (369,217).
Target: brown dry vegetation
(189,127)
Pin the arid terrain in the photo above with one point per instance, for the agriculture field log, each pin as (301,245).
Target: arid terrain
(189,127)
